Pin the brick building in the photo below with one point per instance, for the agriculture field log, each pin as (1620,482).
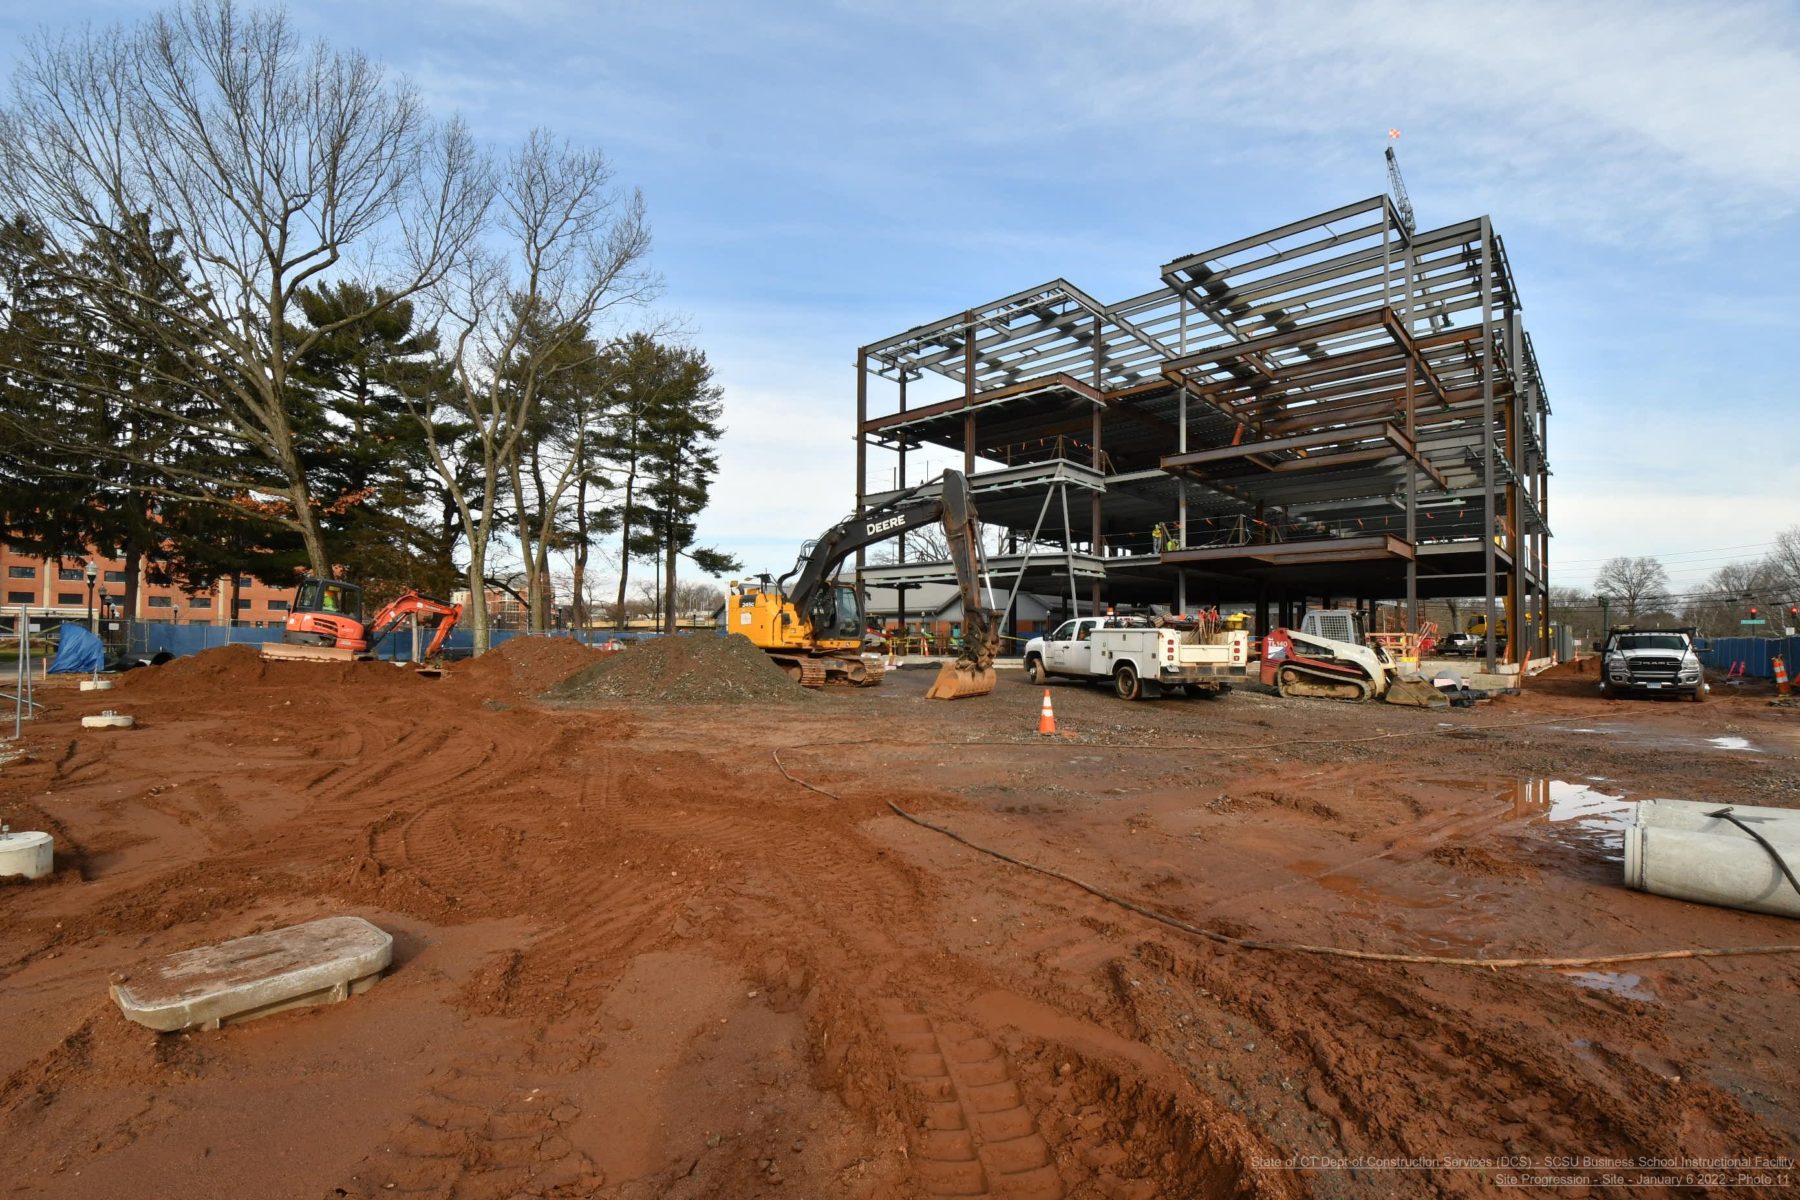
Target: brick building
(59,589)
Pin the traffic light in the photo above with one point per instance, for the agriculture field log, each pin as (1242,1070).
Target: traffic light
(1753,612)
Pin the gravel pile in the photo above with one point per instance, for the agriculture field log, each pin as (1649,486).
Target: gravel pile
(685,669)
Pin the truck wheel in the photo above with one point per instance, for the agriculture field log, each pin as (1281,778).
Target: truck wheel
(1038,674)
(1126,683)
(1699,694)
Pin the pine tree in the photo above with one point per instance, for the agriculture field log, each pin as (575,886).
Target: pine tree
(678,461)
(365,454)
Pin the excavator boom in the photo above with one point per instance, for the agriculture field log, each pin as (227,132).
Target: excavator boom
(972,673)
(411,604)
(797,620)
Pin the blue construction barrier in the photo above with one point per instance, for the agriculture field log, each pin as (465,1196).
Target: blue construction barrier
(149,637)
(1757,654)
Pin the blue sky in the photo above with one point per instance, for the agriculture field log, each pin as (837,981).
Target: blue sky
(819,176)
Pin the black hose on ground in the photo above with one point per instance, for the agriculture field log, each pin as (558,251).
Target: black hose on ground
(1242,943)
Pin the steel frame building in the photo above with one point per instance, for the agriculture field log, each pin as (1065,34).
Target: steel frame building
(1337,410)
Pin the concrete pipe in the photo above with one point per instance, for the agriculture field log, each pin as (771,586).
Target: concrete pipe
(1725,866)
(29,854)
(1694,816)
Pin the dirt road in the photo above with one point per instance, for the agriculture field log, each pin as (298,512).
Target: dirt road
(636,960)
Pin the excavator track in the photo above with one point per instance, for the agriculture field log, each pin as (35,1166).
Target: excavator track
(816,671)
(1303,682)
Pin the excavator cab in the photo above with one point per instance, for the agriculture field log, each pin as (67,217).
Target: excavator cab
(328,596)
(324,622)
(837,614)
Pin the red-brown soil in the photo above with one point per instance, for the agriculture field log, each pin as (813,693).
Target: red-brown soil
(635,960)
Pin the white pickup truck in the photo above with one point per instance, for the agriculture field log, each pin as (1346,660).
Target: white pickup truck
(1140,659)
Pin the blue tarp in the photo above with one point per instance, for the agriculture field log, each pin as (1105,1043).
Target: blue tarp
(78,652)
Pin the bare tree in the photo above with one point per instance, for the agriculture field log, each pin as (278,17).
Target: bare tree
(1718,607)
(274,163)
(697,599)
(1633,584)
(569,247)
(1783,566)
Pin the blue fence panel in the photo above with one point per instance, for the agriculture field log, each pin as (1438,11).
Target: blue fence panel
(1757,654)
(147,638)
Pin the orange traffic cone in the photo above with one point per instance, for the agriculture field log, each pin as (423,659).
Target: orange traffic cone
(1781,678)
(1047,717)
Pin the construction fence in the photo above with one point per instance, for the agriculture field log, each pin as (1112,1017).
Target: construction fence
(1757,655)
(145,639)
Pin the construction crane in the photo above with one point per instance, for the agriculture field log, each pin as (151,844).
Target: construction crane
(1397,186)
(813,628)
(325,622)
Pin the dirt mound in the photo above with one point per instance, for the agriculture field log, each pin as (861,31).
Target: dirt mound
(524,665)
(224,667)
(685,669)
(227,668)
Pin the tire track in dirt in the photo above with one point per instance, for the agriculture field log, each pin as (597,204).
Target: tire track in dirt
(977,1137)
(1389,1053)
(480,1134)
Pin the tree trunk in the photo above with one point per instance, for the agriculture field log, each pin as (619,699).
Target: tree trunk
(540,598)
(310,531)
(624,552)
(478,610)
(133,558)
(671,554)
(578,585)
(528,559)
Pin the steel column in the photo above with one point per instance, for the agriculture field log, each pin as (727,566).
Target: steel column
(1487,432)
(862,448)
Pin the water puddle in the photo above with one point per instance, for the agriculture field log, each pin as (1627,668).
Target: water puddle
(1614,983)
(1578,814)
(1628,735)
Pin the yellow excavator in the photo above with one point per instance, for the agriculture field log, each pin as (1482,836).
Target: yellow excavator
(813,627)
(1478,626)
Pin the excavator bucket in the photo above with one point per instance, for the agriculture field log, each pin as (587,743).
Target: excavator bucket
(283,651)
(1415,693)
(959,681)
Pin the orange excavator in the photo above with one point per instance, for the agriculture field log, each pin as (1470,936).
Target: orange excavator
(325,622)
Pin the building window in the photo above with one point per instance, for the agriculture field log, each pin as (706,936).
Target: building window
(278,605)
(115,577)
(68,597)
(199,601)
(21,572)
(162,602)
(20,597)
(70,574)
(245,581)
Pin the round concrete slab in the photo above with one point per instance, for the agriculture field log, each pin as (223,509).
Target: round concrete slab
(108,720)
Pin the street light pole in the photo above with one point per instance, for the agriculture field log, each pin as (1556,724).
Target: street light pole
(93,573)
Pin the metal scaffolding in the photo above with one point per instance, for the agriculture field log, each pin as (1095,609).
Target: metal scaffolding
(1338,409)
